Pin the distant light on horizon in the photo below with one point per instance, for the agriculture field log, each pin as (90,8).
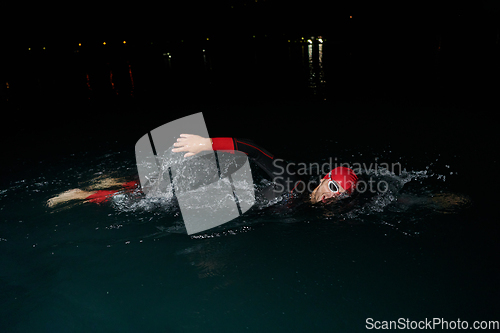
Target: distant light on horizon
(124,42)
(350,16)
(103,43)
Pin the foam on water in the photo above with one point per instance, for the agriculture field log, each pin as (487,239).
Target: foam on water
(160,197)
(387,193)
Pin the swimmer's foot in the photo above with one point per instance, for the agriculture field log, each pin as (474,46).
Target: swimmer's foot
(450,202)
(74,194)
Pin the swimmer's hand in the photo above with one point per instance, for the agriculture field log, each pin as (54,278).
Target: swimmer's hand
(192,144)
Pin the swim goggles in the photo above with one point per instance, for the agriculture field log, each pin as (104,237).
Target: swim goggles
(333,186)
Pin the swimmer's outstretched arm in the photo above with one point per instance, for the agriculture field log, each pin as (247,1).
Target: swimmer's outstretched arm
(193,144)
(275,168)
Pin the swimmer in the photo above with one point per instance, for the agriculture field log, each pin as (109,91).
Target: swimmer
(339,182)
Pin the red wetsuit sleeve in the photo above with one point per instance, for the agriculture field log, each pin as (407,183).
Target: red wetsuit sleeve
(223,144)
(104,195)
(277,169)
(131,185)
(100,196)
(245,146)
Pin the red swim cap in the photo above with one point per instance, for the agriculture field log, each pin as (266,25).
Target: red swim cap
(345,177)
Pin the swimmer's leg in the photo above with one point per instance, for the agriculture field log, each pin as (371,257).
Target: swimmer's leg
(105,183)
(445,203)
(74,194)
(449,202)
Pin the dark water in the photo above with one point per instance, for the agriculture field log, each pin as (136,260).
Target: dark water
(128,265)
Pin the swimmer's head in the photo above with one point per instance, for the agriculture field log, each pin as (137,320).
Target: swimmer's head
(337,182)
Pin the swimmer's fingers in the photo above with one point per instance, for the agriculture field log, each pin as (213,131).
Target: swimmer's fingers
(180,147)
(189,153)
(183,148)
(179,144)
(184,140)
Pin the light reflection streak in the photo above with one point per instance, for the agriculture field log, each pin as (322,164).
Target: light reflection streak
(315,61)
(88,81)
(312,61)
(131,79)
(111,81)
(320,58)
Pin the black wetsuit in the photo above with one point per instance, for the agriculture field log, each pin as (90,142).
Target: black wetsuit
(284,179)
